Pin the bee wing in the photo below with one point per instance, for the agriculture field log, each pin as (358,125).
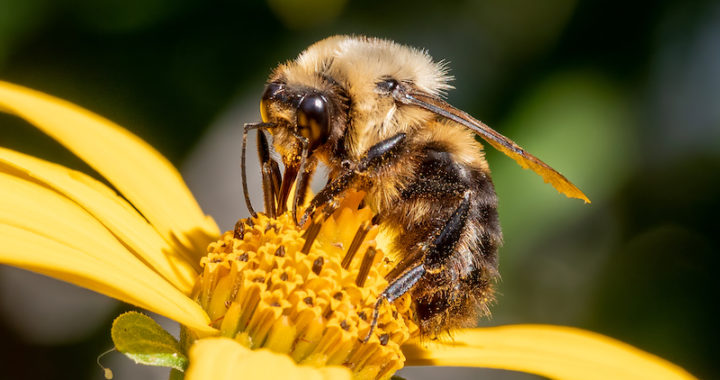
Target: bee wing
(498,141)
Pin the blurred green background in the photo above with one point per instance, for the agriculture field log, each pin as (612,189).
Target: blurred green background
(622,97)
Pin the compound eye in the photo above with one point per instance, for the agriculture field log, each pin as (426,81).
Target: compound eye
(313,119)
(387,85)
(272,91)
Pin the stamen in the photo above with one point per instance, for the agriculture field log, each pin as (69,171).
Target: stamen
(237,284)
(355,245)
(317,265)
(239,231)
(384,339)
(310,236)
(317,223)
(365,266)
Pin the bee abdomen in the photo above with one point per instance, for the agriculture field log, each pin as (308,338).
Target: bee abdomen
(446,197)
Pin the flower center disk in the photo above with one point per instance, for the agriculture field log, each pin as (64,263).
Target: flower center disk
(267,286)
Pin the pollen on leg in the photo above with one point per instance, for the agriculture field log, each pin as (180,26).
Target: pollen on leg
(270,284)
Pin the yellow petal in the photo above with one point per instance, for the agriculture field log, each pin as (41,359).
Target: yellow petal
(44,232)
(226,359)
(137,170)
(552,351)
(111,210)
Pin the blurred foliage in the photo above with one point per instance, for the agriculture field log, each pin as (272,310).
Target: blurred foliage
(619,96)
(306,14)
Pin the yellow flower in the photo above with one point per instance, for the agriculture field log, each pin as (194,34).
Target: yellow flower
(257,302)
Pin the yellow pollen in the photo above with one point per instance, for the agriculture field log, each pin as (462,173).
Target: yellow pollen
(260,287)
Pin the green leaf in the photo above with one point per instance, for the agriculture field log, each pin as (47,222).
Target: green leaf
(141,339)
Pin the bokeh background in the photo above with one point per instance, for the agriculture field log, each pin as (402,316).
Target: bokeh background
(622,97)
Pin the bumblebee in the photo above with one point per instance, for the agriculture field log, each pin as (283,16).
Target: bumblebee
(372,111)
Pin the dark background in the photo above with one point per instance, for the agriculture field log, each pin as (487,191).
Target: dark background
(622,97)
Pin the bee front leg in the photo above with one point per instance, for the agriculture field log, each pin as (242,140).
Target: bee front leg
(329,194)
(376,156)
(247,128)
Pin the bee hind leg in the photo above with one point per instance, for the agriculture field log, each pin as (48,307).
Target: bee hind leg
(394,290)
(417,265)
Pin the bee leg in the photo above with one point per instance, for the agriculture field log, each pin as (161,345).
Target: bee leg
(394,290)
(381,152)
(405,263)
(271,176)
(418,265)
(303,177)
(329,194)
(445,242)
(302,185)
(246,128)
(375,157)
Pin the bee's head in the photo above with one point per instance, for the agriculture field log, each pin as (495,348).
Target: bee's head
(337,94)
(298,111)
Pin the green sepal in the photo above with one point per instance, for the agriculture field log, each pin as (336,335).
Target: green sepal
(141,339)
